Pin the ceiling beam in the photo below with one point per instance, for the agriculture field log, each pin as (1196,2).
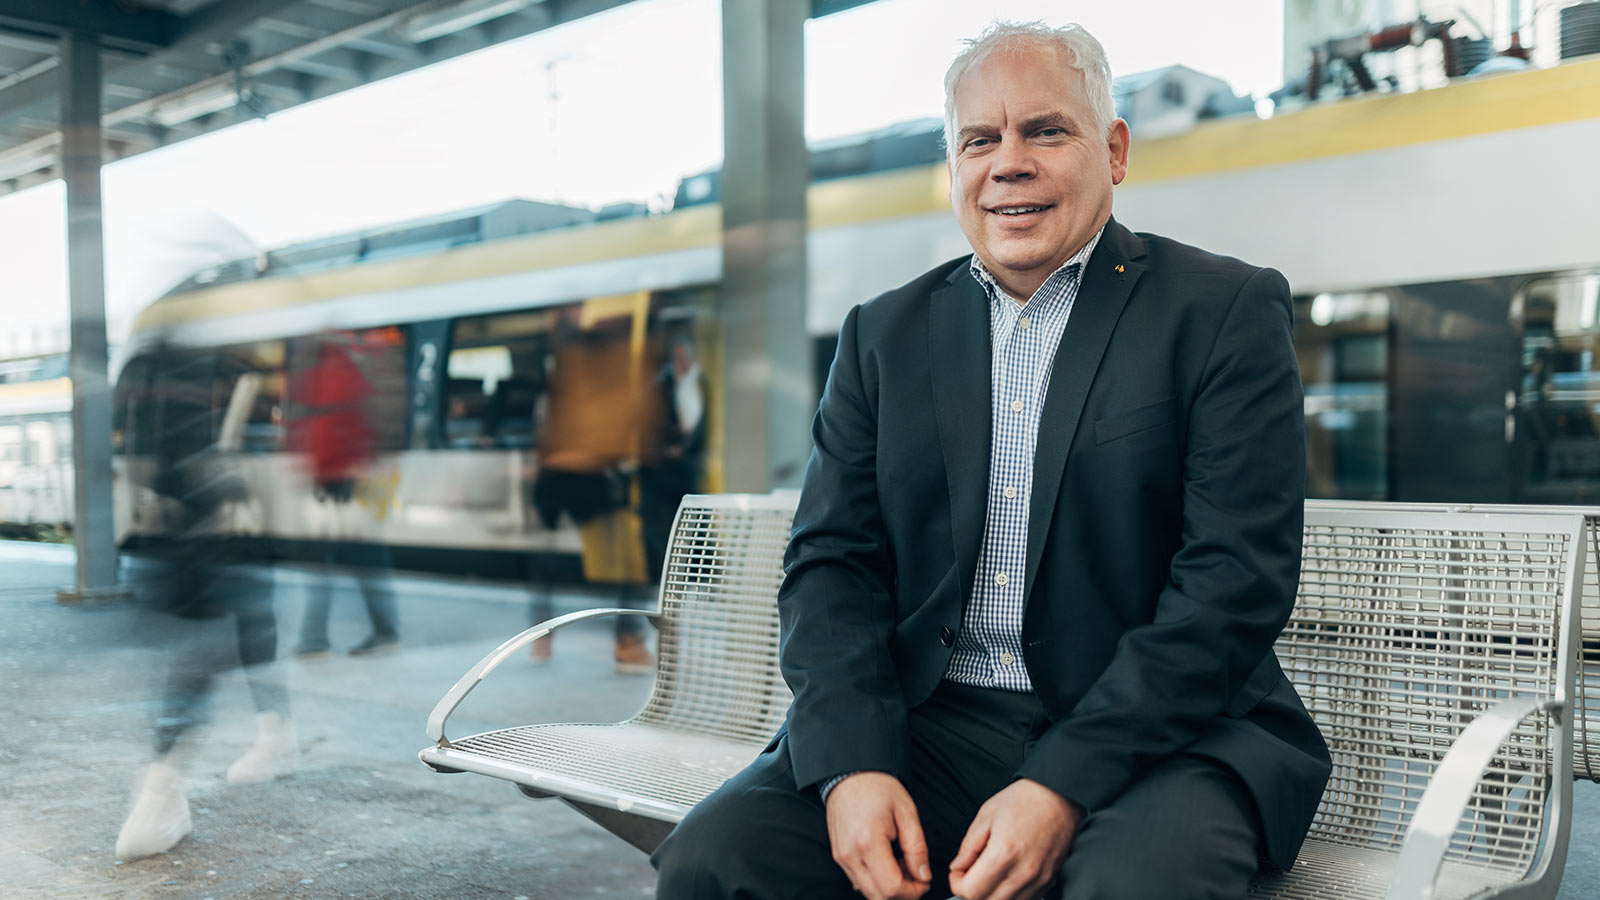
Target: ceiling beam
(117,24)
(820,8)
(32,44)
(354,7)
(222,20)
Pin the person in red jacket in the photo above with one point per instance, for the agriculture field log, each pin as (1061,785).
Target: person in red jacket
(329,425)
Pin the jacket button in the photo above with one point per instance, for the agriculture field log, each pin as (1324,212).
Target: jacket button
(946,636)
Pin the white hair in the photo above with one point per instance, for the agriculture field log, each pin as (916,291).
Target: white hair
(1080,49)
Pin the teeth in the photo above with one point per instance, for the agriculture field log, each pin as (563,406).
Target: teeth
(1017,210)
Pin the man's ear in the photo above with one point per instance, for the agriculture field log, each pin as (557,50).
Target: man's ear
(1117,146)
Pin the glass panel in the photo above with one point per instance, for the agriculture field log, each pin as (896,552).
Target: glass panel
(12,449)
(1558,401)
(1342,341)
(42,437)
(259,404)
(495,380)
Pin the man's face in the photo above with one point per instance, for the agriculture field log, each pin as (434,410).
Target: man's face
(1031,175)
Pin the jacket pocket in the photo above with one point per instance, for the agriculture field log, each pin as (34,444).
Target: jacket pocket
(1134,421)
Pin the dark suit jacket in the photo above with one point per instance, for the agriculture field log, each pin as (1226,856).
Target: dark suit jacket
(1163,532)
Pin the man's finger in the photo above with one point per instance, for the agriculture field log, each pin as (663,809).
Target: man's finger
(883,869)
(972,844)
(980,879)
(913,846)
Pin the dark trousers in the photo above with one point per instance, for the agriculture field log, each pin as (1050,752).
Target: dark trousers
(1187,830)
(199,654)
(370,566)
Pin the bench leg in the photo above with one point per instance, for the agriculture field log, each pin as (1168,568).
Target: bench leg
(644,833)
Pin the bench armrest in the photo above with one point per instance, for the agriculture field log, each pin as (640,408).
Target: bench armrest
(1450,789)
(480,671)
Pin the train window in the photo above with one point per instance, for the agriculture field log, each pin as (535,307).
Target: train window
(13,370)
(1555,427)
(42,443)
(256,402)
(133,411)
(495,378)
(381,353)
(12,450)
(1342,341)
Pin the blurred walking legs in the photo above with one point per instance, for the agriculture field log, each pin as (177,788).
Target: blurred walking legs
(369,565)
(632,655)
(195,592)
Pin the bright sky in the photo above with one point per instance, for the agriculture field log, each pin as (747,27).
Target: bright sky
(614,107)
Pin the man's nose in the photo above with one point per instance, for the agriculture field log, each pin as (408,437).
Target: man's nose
(1014,161)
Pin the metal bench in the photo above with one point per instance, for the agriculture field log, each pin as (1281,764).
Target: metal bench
(1436,652)
(1586,734)
(718,697)
(1435,649)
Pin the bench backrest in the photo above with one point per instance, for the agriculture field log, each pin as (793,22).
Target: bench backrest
(718,631)
(1406,627)
(1586,721)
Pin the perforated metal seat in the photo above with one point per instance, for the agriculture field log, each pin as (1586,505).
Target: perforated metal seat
(1436,652)
(718,696)
(1586,724)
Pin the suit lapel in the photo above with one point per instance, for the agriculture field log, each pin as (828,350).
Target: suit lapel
(958,354)
(1108,280)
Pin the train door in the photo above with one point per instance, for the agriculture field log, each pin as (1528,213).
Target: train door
(1553,415)
(1342,341)
(1450,371)
(429,342)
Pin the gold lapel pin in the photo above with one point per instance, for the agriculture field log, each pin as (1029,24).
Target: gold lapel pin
(1119,268)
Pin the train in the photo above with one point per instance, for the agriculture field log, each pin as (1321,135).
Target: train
(36,491)
(1441,246)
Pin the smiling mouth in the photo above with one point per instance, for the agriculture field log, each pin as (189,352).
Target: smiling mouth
(1020,209)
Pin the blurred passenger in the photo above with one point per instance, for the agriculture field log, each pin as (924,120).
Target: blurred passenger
(676,469)
(197,575)
(598,407)
(329,425)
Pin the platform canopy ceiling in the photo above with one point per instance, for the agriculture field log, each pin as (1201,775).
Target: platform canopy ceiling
(175,69)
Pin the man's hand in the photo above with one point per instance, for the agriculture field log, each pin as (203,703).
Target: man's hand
(868,812)
(1015,844)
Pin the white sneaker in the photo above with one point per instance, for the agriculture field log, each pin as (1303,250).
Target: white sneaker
(275,754)
(160,816)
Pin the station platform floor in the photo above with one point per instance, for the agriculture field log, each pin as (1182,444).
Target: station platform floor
(80,692)
(79,696)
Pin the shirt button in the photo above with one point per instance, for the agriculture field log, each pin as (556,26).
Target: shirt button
(1011,493)
(1001,579)
(1007,659)
(1016,406)
(1023,323)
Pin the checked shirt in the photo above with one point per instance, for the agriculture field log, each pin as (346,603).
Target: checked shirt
(1023,340)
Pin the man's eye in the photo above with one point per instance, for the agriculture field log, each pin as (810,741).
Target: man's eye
(979,142)
(1052,131)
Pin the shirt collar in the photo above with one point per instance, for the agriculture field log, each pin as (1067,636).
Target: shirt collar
(1079,259)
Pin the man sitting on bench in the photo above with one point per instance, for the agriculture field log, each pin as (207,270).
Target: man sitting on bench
(1047,537)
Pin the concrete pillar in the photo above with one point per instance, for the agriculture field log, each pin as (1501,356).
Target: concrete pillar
(767,397)
(93,526)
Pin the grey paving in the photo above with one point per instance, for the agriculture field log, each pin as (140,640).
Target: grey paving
(78,692)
